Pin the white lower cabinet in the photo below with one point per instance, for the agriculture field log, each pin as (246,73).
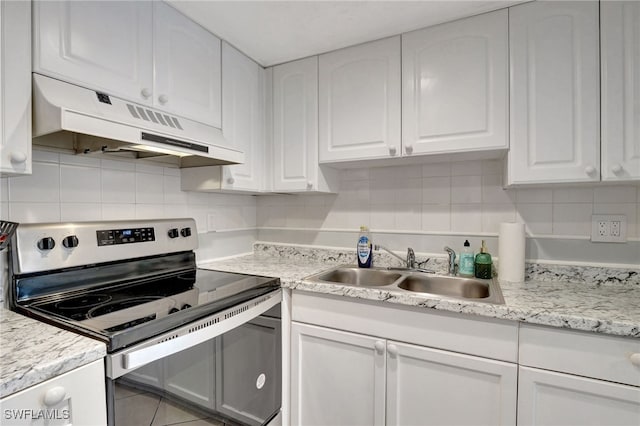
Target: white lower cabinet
(551,398)
(337,378)
(343,378)
(73,398)
(433,387)
(577,378)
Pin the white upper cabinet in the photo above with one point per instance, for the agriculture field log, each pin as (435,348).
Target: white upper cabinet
(15,88)
(102,45)
(555,96)
(359,101)
(620,61)
(455,86)
(187,66)
(146,52)
(243,118)
(295,128)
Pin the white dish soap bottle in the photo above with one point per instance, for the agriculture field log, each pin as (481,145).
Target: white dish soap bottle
(364,248)
(465,267)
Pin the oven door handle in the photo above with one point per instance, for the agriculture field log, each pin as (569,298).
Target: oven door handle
(198,333)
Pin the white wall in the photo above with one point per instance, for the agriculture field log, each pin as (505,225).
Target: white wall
(74,188)
(435,204)
(451,197)
(421,206)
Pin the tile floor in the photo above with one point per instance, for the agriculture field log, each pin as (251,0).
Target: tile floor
(139,408)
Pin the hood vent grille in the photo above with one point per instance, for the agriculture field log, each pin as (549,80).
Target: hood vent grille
(140,113)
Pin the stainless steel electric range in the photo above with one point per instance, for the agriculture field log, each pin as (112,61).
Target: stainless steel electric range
(135,286)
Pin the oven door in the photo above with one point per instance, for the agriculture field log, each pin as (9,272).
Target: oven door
(225,368)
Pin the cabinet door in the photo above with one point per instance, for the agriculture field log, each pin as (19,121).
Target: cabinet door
(74,398)
(102,45)
(455,86)
(295,125)
(242,118)
(555,97)
(187,67)
(550,398)
(190,374)
(337,378)
(15,88)
(359,89)
(249,371)
(433,387)
(620,61)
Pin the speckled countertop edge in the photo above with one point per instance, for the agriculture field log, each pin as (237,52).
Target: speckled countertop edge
(32,352)
(602,306)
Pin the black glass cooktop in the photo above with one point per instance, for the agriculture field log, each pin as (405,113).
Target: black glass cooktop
(128,312)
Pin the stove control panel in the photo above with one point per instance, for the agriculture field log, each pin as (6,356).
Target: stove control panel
(125,236)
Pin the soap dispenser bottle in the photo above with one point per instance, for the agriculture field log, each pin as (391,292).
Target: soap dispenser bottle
(364,248)
(483,263)
(466,267)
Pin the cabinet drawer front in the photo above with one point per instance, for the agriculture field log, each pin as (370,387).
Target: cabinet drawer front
(485,337)
(601,357)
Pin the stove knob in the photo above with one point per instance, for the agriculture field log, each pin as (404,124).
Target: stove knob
(185,232)
(186,306)
(173,233)
(47,243)
(173,310)
(70,242)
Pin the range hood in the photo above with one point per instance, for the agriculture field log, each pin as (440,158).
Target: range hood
(94,123)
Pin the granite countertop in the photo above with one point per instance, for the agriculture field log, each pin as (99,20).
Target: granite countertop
(608,306)
(32,351)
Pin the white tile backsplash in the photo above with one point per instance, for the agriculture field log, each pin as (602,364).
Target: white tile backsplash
(79,184)
(466,189)
(441,197)
(74,212)
(572,219)
(118,186)
(34,212)
(572,195)
(466,196)
(614,194)
(436,190)
(149,188)
(436,217)
(538,218)
(76,188)
(43,185)
(466,217)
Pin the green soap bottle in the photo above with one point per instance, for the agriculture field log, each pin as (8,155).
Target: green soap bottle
(482,265)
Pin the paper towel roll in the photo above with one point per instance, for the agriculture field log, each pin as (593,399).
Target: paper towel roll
(511,244)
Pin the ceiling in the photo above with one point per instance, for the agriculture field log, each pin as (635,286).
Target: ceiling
(273,32)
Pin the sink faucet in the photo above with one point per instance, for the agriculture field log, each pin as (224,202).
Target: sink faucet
(409,263)
(452,260)
(411,259)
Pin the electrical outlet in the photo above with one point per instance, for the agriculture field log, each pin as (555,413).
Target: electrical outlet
(608,228)
(614,231)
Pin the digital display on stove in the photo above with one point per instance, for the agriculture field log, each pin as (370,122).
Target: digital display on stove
(125,236)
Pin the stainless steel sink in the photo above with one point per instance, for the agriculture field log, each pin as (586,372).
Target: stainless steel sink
(446,286)
(360,277)
(412,281)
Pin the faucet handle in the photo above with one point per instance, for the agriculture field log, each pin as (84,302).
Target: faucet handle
(452,260)
(411,258)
